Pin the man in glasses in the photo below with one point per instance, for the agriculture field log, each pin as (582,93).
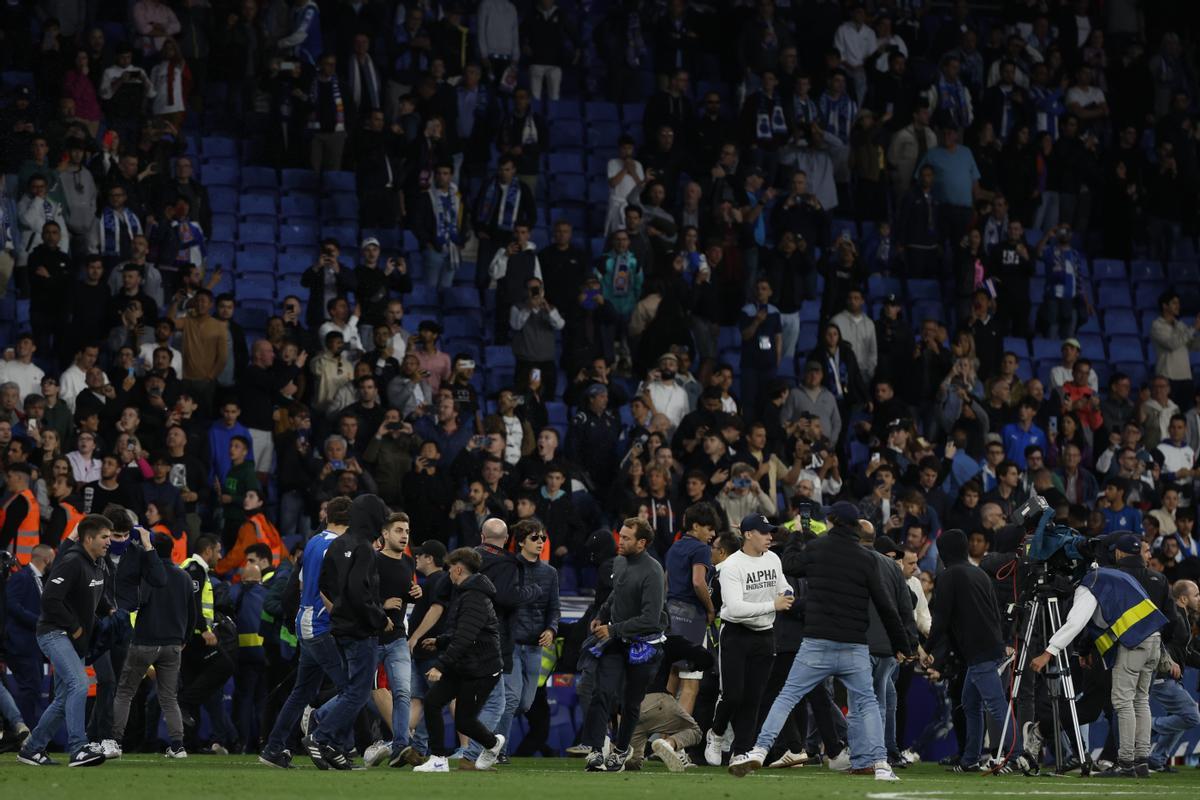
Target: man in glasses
(534,626)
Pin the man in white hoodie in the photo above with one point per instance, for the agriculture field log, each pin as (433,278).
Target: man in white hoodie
(858,330)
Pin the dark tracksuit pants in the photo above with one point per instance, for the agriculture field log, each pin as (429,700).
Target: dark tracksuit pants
(622,685)
(746,658)
(469,695)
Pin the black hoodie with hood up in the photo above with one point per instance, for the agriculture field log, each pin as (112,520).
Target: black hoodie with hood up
(349,575)
(966,617)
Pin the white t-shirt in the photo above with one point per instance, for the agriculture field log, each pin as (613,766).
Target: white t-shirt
(749,586)
(26,376)
(1090,96)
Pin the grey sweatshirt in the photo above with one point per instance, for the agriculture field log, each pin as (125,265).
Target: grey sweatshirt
(636,606)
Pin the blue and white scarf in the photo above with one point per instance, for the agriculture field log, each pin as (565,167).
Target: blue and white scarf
(447,216)
(505,203)
(953,98)
(770,120)
(837,115)
(110,232)
(339,105)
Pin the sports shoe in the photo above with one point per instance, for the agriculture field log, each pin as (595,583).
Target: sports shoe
(578,751)
(434,764)
(90,755)
(883,772)
(1167,768)
(713,748)
(686,760)
(742,765)
(615,761)
(335,758)
(489,756)
(1141,768)
(1034,742)
(38,759)
(214,749)
(111,749)
(407,757)
(314,752)
(840,762)
(503,760)
(178,751)
(13,740)
(964,768)
(595,761)
(377,754)
(667,755)
(1118,770)
(277,760)
(789,759)
(911,756)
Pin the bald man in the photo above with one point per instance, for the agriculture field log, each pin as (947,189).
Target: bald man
(1180,713)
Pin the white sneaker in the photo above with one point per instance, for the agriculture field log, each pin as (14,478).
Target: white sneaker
(712,749)
(742,765)
(883,772)
(789,759)
(842,762)
(911,756)
(434,764)
(686,760)
(111,749)
(662,748)
(377,754)
(607,748)
(489,756)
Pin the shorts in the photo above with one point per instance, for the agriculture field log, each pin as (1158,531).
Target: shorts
(690,622)
(264,449)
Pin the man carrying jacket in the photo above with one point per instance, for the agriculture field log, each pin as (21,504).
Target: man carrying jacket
(71,601)
(357,618)
(468,666)
(165,620)
(966,620)
(843,582)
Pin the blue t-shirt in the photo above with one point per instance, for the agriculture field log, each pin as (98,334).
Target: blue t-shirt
(312,619)
(681,557)
(954,175)
(1127,519)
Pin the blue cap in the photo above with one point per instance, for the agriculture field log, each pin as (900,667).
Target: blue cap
(1126,543)
(756,522)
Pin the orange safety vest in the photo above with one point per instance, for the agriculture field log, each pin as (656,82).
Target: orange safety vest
(268,534)
(179,544)
(73,517)
(29,530)
(545,554)
(91,679)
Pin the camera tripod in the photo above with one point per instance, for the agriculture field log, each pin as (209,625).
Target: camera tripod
(1045,616)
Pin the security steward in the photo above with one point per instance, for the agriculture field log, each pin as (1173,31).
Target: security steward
(21,516)
(205,665)
(594,433)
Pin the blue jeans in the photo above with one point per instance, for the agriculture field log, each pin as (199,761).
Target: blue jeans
(397,663)
(439,273)
(420,685)
(338,714)
(490,716)
(70,696)
(817,660)
(1179,716)
(319,657)
(8,708)
(520,684)
(982,690)
(883,676)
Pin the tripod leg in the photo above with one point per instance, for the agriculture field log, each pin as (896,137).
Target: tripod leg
(1020,662)
(1068,689)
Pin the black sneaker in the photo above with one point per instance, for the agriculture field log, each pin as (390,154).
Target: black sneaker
(1167,768)
(91,755)
(278,760)
(315,752)
(616,759)
(1117,770)
(335,758)
(38,759)
(503,759)
(964,768)
(949,761)
(595,761)
(1141,768)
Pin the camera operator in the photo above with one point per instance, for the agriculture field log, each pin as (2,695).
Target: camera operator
(966,619)
(1129,645)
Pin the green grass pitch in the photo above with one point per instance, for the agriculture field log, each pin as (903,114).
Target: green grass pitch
(224,778)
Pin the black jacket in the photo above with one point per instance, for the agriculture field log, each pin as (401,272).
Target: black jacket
(843,581)
(166,614)
(73,595)
(471,646)
(966,617)
(507,580)
(893,582)
(352,585)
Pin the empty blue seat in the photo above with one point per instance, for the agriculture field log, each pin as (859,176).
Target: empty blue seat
(218,147)
(256,232)
(259,258)
(338,181)
(220,174)
(924,289)
(1107,269)
(499,356)
(223,198)
(810,311)
(259,178)
(422,295)
(559,110)
(1114,296)
(1146,294)
(345,235)
(1125,348)
(1046,349)
(460,298)
(603,134)
(1016,345)
(497,379)
(729,338)
(1091,345)
(256,287)
(304,179)
(252,315)
(600,111)
(634,112)
(293,261)
(567,134)
(221,254)
(568,189)
(341,206)
(1144,270)
(463,326)
(1184,271)
(256,204)
(298,205)
(298,232)
(1120,321)
(224,227)
(565,162)
(879,286)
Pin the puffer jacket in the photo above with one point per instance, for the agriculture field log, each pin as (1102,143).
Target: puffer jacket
(349,575)
(470,647)
(531,619)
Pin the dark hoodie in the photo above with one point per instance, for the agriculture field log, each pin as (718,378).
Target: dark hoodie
(966,617)
(511,592)
(471,646)
(352,585)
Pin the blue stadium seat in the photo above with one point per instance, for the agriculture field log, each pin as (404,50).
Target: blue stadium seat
(568,189)
(1138,372)
(635,112)
(463,326)
(224,227)
(298,205)
(1017,345)
(257,204)
(600,111)
(253,314)
(498,357)
(1144,270)
(1146,294)
(879,286)
(1120,321)
(223,198)
(810,311)
(1107,269)
(221,254)
(258,258)
(729,338)
(1114,296)
(566,134)
(345,235)
(1125,348)
(1091,345)
(1184,271)
(340,206)
(218,147)
(603,134)
(458,298)
(298,232)
(1047,349)
(256,286)
(565,162)
(924,289)
(256,233)
(260,178)
(302,179)
(293,261)
(498,378)
(220,175)
(338,182)
(559,110)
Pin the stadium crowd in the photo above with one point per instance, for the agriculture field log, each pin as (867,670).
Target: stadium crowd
(831,291)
